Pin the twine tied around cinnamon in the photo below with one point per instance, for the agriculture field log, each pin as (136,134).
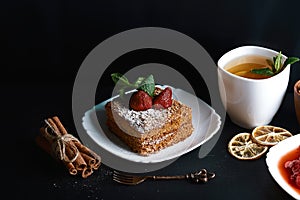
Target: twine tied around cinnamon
(60,142)
(64,147)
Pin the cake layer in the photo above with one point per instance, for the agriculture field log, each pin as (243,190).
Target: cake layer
(147,123)
(151,144)
(149,131)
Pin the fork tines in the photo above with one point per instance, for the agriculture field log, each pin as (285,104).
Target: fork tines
(126,178)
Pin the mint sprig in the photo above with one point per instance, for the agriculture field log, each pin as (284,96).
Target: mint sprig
(263,71)
(276,65)
(146,84)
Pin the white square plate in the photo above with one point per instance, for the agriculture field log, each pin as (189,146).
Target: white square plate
(205,120)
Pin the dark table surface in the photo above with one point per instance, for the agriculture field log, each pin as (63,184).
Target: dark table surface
(30,173)
(44,44)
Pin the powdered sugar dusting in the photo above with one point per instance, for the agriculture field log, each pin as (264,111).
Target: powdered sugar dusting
(142,121)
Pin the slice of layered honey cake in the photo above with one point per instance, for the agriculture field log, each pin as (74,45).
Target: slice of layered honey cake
(149,121)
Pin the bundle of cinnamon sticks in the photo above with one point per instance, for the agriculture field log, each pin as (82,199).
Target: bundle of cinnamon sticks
(56,141)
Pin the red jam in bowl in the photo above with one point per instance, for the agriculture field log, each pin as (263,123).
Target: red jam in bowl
(289,168)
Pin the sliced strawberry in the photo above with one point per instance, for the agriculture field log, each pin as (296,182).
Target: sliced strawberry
(164,99)
(140,101)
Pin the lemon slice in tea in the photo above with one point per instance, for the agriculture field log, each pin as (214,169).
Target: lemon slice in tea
(243,147)
(241,73)
(269,135)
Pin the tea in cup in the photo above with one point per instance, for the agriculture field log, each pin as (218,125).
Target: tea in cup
(250,98)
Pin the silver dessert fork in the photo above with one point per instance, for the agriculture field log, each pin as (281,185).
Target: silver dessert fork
(201,176)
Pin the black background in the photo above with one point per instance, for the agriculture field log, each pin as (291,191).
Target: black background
(43,45)
(50,39)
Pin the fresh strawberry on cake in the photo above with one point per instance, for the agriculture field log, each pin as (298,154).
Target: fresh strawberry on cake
(151,120)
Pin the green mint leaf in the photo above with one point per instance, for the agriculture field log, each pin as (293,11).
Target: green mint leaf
(120,79)
(138,82)
(123,84)
(148,85)
(291,60)
(271,63)
(122,92)
(263,71)
(278,62)
(276,65)
(274,59)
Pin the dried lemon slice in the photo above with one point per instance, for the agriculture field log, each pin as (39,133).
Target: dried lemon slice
(243,147)
(269,135)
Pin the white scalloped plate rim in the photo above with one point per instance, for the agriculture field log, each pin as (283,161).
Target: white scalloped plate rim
(209,126)
(275,154)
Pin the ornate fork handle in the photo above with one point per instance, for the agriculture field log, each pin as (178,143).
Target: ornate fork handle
(201,176)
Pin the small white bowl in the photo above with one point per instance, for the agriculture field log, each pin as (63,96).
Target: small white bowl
(273,157)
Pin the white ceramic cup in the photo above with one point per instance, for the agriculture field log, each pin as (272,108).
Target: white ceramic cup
(251,102)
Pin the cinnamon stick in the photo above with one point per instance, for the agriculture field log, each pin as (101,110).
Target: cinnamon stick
(93,157)
(89,160)
(60,127)
(54,139)
(46,146)
(79,163)
(71,168)
(52,123)
(86,172)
